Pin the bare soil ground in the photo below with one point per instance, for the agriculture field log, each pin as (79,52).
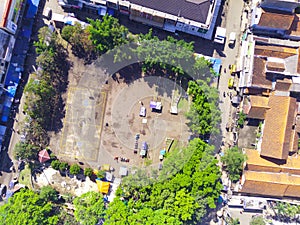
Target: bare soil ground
(102,117)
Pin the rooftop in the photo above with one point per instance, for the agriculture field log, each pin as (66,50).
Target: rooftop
(276,20)
(258,107)
(271,184)
(277,132)
(259,77)
(257,163)
(196,10)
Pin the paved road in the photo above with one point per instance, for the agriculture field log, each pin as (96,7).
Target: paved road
(233,12)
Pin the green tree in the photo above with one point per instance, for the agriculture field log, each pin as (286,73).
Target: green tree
(257,220)
(48,193)
(107,34)
(75,169)
(55,164)
(234,159)
(88,172)
(26,207)
(78,37)
(25,151)
(67,32)
(89,208)
(204,114)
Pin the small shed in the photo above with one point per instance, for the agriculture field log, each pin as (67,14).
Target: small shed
(155,105)
(123,171)
(103,186)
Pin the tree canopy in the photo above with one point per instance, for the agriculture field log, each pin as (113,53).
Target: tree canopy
(234,159)
(25,151)
(204,114)
(48,193)
(180,198)
(26,207)
(107,33)
(89,208)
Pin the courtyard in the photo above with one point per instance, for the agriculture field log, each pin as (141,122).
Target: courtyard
(102,118)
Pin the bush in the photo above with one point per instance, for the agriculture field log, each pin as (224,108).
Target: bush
(55,164)
(257,220)
(52,156)
(242,118)
(88,172)
(63,166)
(74,169)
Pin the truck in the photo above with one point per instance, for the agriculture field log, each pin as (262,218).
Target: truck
(220,35)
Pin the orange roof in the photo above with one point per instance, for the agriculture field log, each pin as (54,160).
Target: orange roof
(295,27)
(278,125)
(271,184)
(274,51)
(283,85)
(276,20)
(275,66)
(257,163)
(259,77)
(258,108)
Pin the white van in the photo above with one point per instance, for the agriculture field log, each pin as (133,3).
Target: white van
(232,38)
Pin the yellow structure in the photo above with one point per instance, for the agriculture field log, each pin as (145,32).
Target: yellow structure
(103,186)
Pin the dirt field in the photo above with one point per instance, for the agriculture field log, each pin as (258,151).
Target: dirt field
(102,118)
(122,115)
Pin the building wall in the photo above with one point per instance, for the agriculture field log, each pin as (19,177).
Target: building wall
(10,15)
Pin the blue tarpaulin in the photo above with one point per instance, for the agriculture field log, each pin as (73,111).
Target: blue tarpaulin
(5,114)
(33,7)
(216,64)
(11,90)
(8,101)
(110,12)
(101,11)
(2,130)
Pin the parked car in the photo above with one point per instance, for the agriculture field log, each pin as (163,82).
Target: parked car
(143,111)
(230,83)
